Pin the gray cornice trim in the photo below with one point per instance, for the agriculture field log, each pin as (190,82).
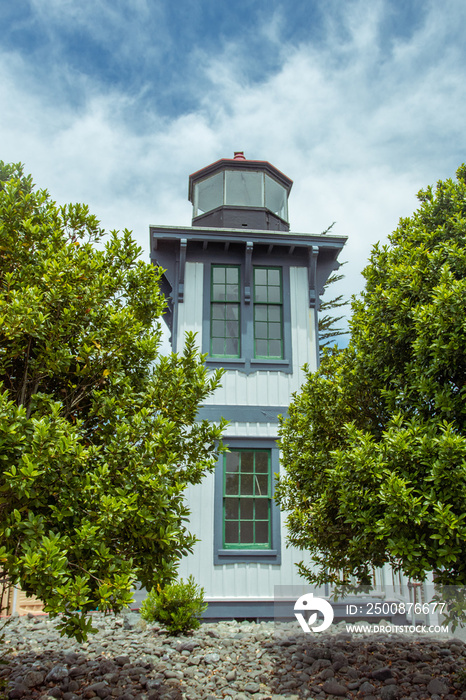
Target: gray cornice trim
(242,414)
(275,238)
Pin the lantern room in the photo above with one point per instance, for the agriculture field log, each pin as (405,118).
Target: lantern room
(240,193)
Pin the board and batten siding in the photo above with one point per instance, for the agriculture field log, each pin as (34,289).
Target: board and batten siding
(236,581)
(252,580)
(262,388)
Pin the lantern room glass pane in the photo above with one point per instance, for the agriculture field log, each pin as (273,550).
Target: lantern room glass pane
(276,198)
(208,194)
(244,189)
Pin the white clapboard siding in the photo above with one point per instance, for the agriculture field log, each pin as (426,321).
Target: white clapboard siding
(190,311)
(255,580)
(274,388)
(239,580)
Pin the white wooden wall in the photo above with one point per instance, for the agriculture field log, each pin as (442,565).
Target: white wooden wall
(242,581)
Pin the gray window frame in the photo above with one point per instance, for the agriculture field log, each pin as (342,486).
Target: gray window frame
(270,555)
(247,363)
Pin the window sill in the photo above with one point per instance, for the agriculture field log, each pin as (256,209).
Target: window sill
(247,552)
(226,360)
(265,361)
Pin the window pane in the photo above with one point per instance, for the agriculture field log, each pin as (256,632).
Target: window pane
(261,508)
(232,329)
(262,532)
(260,330)
(247,484)
(218,311)
(247,532)
(262,462)
(275,330)
(274,296)
(274,313)
(231,508)
(208,194)
(244,188)
(218,346)
(260,313)
(262,484)
(232,274)
(231,347)
(218,275)
(231,532)
(232,292)
(231,484)
(218,329)
(218,292)
(247,509)
(275,348)
(260,293)
(275,197)
(273,277)
(232,312)
(247,461)
(261,348)
(232,461)
(260,275)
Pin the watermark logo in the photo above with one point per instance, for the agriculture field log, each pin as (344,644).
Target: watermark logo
(307,603)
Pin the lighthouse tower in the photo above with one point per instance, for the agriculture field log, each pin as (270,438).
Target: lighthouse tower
(250,290)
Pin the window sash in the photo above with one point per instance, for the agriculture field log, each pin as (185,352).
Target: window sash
(225,311)
(247,499)
(268,313)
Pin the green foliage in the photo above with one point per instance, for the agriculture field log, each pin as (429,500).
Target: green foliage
(327,324)
(375,445)
(98,438)
(178,606)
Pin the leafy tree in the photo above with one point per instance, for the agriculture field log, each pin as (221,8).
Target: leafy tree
(98,432)
(374,446)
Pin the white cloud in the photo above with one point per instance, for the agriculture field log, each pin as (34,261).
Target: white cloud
(358,119)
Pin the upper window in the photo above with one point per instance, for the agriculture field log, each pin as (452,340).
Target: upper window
(268,313)
(246,500)
(225,311)
(240,188)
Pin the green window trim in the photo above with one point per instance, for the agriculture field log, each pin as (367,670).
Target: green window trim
(268,313)
(247,497)
(225,311)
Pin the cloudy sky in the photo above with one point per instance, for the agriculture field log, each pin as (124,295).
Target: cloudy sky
(114,102)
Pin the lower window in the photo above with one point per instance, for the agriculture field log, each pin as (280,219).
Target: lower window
(246,499)
(246,516)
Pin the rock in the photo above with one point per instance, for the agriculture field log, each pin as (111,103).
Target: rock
(438,687)
(122,660)
(252,687)
(366,688)
(33,678)
(57,674)
(107,666)
(381,674)
(389,692)
(18,691)
(334,688)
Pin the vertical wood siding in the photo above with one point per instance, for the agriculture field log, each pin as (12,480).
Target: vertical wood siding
(262,388)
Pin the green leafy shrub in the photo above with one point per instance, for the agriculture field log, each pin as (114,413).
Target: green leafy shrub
(178,606)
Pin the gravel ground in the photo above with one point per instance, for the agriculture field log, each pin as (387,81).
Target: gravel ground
(129,660)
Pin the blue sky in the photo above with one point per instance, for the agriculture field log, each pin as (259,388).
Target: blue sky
(114,103)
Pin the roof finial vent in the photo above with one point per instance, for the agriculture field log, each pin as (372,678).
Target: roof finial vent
(239,155)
